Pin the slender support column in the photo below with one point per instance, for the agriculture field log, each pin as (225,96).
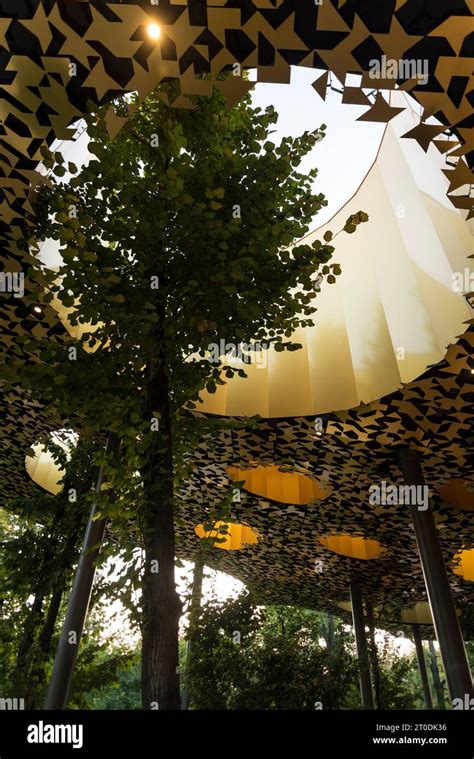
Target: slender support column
(69,642)
(438,684)
(194,610)
(366,694)
(422,668)
(443,611)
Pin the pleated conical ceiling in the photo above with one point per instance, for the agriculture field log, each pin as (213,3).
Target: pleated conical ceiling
(419,614)
(354,547)
(237,536)
(283,487)
(392,312)
(463,564)
(42,466)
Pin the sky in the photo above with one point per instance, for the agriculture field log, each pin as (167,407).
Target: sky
(349,148)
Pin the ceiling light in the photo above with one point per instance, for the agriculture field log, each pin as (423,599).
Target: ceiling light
(154,31)
(37,309)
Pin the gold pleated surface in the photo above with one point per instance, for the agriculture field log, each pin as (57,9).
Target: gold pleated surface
(391,313)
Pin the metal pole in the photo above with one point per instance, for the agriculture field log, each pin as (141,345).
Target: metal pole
(445,620)
(422,668)
(366,694)
(68,646)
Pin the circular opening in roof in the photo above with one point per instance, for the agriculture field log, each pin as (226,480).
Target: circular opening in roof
(285,487)
(463,564)
(393,310)
(228,535)
(352,547)
(419,614)
(42,466)
(376,331)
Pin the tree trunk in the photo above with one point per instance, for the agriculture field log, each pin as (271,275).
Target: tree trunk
(57,588)
(21,674)
(196,595)
(68,556)
(374,660)
(21,678)
(37,675)
(330,633)
(438,685)
(194,609)
(161,603)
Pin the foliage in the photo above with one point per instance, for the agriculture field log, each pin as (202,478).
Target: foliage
(399,680)
(39,540)
(268,658)
(285,660)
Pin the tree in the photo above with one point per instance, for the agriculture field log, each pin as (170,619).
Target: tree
(438,684)
(399,683)
(249,657)
(174,240)
(277,657)
(39,553)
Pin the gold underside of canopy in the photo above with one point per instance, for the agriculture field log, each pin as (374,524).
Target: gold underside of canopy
(391,313)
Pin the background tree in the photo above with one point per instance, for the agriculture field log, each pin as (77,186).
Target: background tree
(277,657)
(438,683)
(39,552)
(175,239)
